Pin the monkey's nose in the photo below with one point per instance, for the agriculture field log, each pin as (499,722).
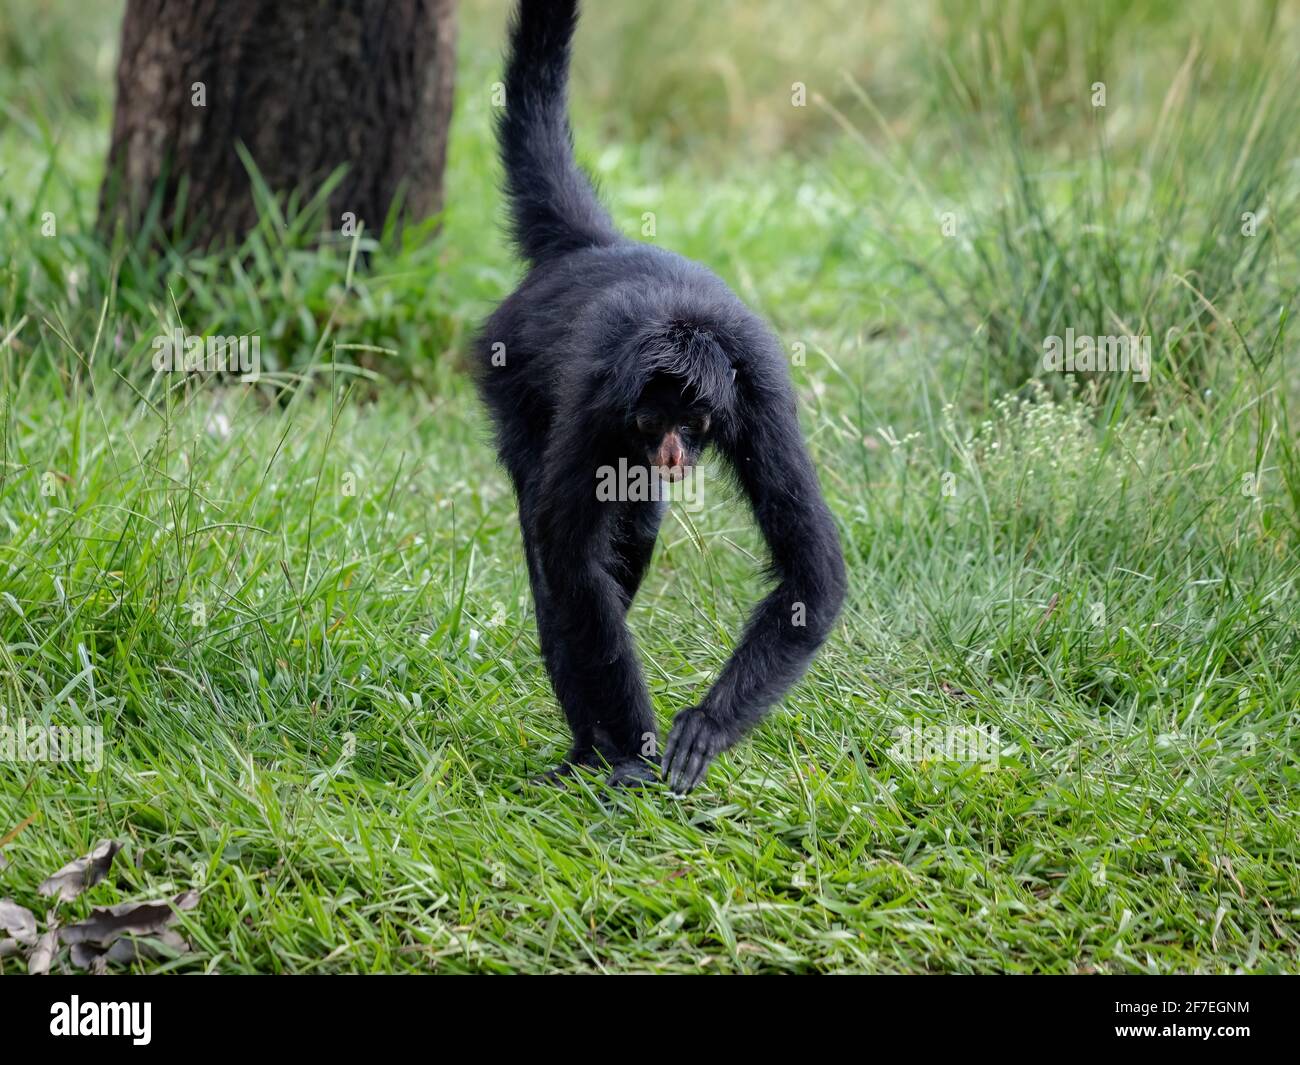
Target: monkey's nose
(671,458)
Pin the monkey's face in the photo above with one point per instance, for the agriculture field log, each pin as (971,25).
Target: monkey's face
(672,440)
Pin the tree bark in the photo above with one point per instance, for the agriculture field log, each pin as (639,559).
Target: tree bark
(306,86)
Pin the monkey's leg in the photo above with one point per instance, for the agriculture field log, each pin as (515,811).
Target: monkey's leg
(631,552)
(583,753)
(606,729)
(634,545)
(589,652)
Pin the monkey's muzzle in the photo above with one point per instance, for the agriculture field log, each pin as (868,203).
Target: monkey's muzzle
(670,459)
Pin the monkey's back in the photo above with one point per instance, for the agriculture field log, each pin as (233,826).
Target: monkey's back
(571,317)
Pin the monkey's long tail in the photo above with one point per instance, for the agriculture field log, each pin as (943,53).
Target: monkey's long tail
(553,207)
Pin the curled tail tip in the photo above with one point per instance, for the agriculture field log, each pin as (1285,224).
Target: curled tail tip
(553,206)
(540,35)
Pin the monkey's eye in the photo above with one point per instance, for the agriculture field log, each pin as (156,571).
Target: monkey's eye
(696,425)
(645,424)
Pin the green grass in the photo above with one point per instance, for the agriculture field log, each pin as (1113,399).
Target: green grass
(300,612)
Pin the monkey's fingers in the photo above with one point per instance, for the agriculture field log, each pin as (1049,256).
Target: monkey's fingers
(695,774)
(692,744)
(695,770)
(680,741)
(670,745)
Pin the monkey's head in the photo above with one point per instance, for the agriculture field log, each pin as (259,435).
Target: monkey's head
(671,425)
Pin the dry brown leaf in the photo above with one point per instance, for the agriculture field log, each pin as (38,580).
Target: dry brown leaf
(106,924)
(81,873)
(18,921)
(127,949)
(38,964)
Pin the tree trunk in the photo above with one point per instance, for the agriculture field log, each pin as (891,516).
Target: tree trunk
(306,86)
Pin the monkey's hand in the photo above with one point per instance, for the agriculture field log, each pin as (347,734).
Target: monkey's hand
(697,737)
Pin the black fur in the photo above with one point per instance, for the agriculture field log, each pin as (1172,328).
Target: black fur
(601,329)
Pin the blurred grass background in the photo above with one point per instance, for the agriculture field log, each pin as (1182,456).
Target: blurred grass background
(1104,570)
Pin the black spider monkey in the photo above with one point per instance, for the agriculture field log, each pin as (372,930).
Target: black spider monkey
(610,349)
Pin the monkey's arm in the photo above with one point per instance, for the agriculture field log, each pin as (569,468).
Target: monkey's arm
(793,621)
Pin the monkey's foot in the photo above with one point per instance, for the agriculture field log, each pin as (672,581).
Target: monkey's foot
(634,773)
(556,777)
(573,761)
(695,740)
